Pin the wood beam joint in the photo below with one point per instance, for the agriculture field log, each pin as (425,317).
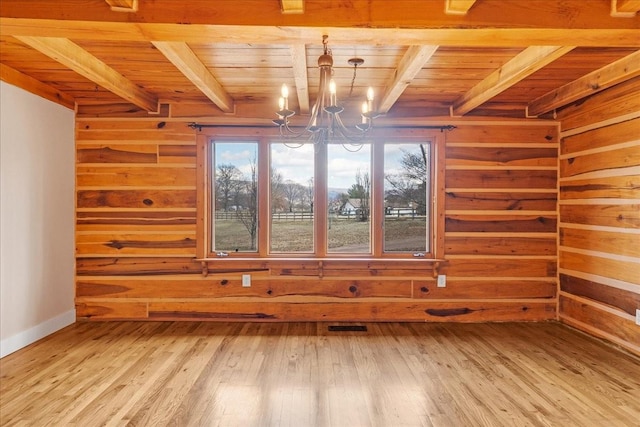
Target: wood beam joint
(458,7)
(123,5)
(181,55)
(624,8)
(292,7)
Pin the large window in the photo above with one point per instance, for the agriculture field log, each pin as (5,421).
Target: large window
(261,197)
(234,196)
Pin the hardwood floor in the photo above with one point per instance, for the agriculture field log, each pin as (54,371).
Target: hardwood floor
(301,374)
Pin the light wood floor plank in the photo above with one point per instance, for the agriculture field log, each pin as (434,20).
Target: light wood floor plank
(301,374)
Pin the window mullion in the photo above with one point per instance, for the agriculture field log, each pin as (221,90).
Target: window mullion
(320,205)
(377,198)
(264,207)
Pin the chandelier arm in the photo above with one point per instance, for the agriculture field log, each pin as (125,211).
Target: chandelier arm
(348,134)
(289,133)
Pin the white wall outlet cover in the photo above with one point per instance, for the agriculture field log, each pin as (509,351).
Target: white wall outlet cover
(246,280)
(442,281)
(637,316)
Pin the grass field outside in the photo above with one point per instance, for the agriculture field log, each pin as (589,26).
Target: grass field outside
(401,235)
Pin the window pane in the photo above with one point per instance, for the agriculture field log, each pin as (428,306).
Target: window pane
(291,198)
(349,192)
(406,189)
(235,196)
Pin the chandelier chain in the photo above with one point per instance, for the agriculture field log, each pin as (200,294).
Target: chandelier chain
(353,79)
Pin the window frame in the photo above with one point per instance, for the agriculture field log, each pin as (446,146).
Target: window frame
(264,136)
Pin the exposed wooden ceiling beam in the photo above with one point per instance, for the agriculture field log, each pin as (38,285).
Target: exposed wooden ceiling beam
(624,8)
(594,82)
(82,62)
(194,33)
(396,14)
(123,5)
(522,65)
(458,7)
(181,55)
(299,61)
(410,65)
(292,6)
(36,87)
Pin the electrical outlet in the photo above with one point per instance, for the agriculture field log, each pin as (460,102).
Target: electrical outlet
(246,280)
(442,281)
(638,316)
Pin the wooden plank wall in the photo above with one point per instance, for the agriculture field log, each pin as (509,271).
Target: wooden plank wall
(599,211)
(136,237)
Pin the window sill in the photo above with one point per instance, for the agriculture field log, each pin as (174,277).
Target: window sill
(258,263)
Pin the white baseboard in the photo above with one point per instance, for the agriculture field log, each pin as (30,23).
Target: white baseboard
(23,339)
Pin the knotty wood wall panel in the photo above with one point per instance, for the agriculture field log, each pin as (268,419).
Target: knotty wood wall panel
(136,237)
(599,215)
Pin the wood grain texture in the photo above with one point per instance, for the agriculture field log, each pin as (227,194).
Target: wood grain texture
(502,156)
(500,245)
(229,285)
(302,374)
(502,223)
(624,300)
(136,198)
(136,266)
(601,137)
(601,320)
(599,252)
(507,201)
(626,271)
(135,175)
(613,159)
(616,102)
(606,215)
(511,179)
(362,311)
(615,243)
(478,288)
(617,187)
(136,239)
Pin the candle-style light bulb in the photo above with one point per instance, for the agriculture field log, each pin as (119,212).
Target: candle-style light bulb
(332,92)
(365,110)
(370,94)
(281,104)
(285,96)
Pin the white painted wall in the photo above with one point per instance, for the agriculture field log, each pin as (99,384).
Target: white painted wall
(37,174)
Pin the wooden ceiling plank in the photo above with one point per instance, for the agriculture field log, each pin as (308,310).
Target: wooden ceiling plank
(299,61)
(82,62)
(617,72)
(123,5)
(28,83)
(521,66)
(458,7)
(408,67)
(292,7)
(181,55)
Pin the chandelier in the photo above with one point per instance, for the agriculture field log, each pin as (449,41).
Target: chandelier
(325,124)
